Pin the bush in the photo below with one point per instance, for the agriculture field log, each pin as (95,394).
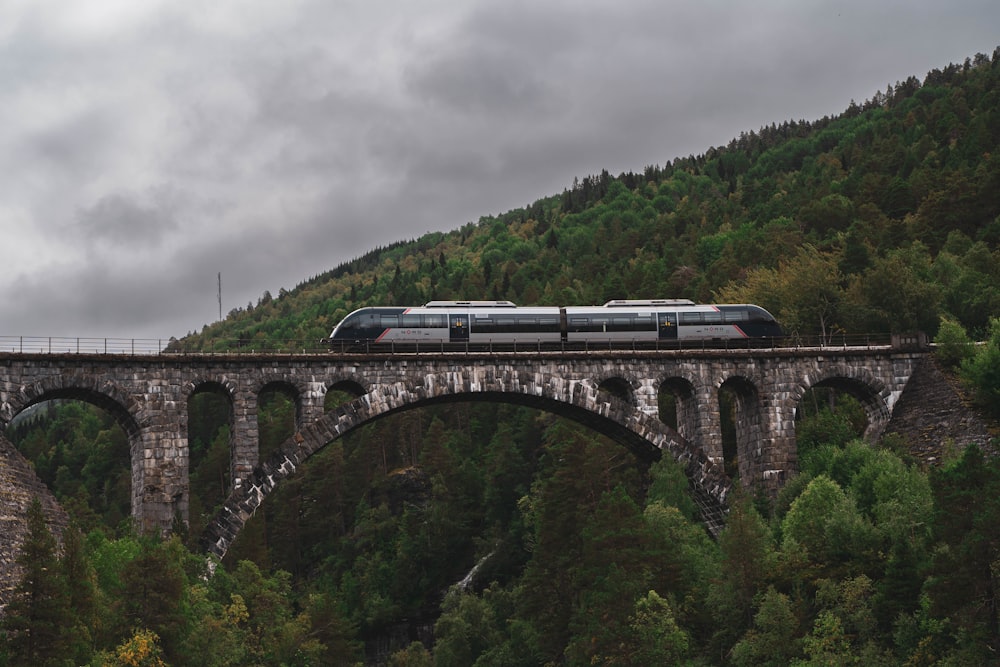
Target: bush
(982,371)
(953,344)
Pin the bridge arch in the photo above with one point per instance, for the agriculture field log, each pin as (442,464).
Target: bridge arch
(646,436)
(87,388)
(620,387)
(745,457)
(349,385)
(677,396)
(290,390)
(98,391)
(869,390)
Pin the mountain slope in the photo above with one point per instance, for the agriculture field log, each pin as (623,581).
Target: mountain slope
(903,189)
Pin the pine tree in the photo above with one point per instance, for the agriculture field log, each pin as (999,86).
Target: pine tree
(81,594)
(36,619)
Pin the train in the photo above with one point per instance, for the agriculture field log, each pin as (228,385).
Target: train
(503,324)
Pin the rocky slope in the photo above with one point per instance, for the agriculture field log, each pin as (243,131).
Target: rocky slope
(18,487)
(935,417)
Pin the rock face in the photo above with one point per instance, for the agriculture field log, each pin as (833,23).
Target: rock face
(18,487)
(933,416)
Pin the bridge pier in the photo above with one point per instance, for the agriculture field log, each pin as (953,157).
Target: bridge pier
(160,473)
(779,457)
(707,420)
(244,437)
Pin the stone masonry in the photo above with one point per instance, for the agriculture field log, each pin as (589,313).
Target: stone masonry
(149,397)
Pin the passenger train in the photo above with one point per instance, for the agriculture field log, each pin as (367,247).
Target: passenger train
(502,324)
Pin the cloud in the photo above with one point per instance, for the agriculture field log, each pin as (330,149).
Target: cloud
(146,147)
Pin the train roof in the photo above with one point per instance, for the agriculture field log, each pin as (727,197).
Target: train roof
(470,304)
(630,303)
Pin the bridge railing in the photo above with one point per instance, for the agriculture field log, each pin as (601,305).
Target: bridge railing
(149,346)
(80,345)
(153,346)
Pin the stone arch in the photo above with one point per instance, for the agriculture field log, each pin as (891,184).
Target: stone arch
(859,382)
(349,384)
(95,390)
(684,402)
(291,390)
(581,402)
(619,387)
(104,394)
(224,388)
(748,451)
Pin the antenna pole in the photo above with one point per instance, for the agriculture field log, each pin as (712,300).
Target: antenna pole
(220,295)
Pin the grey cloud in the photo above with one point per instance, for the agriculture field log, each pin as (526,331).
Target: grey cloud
(122,222)
(273,142)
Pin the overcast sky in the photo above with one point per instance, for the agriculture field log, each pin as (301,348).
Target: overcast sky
(147,146)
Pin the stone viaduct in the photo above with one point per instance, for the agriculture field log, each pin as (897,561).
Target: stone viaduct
(614,392)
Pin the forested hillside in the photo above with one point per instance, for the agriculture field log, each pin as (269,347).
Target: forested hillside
(480,534)
(884,217)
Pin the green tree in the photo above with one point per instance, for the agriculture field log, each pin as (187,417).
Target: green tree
(825,521)
(804,292)
(773,641)
(964,586)
(982,370)
(38,615)
(747,567)
(81,586)
(655,637)
(898,293)
(953,344)
(466,629)
(155,587)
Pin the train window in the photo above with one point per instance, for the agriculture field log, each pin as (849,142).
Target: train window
(410,321)
(547,323)
(588,323)
(735,315)
(713,316)
(527,324)
(436,321)
(389,321)
(620,324)
(644,323)
(690,318)
(363,321)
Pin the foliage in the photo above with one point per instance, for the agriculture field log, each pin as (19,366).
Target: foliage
(953,343)
(34,620)
(142,649)
(982,371)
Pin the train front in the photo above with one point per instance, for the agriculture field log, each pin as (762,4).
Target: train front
(362,325)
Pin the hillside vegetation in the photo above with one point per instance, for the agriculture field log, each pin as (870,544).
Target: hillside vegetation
(882,218)
(482,534)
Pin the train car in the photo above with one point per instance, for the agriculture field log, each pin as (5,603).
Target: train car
(479,323)
(500,324)
(647,321)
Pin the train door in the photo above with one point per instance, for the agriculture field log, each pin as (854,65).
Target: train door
(667,325)
(458,328)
